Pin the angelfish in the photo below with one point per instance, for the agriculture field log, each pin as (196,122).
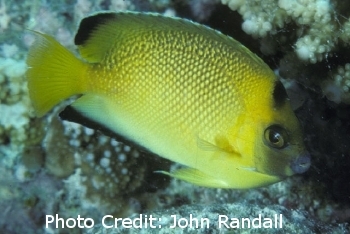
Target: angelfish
(181,90)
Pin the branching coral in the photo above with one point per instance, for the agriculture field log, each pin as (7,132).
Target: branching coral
(313,19)
(260,17)
(14,101)
(318,40)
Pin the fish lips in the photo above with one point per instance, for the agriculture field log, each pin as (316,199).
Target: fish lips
(301,164)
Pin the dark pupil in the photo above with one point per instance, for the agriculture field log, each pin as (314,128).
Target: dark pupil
(274,137)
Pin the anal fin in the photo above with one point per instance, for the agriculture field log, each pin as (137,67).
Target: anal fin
(97,107)
(196,177)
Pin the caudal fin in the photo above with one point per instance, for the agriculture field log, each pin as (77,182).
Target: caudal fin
(53,74)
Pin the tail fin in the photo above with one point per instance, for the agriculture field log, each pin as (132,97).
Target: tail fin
(53,74)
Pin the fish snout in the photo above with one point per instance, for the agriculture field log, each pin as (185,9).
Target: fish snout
(301,163)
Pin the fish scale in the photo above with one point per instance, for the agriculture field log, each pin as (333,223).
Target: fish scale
(182,82)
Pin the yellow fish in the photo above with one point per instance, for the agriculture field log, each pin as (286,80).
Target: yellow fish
(179,89)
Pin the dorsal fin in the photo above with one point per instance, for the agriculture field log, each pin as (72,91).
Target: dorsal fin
(94,36)
(89,25)
(98,33)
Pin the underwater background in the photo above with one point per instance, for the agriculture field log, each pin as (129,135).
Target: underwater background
(49,166)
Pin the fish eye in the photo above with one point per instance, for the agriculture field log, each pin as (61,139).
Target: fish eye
(276,136)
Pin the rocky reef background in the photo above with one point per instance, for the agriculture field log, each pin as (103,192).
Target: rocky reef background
(49,166)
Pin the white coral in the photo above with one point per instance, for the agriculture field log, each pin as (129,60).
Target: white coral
(313,18)
(260,17)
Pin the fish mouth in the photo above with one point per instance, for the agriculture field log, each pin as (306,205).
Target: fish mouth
(301,163)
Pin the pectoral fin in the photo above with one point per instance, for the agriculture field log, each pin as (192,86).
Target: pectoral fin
(207,146)
(196,177)
(219,153)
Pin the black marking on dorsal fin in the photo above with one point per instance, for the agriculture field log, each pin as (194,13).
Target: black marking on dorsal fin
(279,95)
(89,24)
